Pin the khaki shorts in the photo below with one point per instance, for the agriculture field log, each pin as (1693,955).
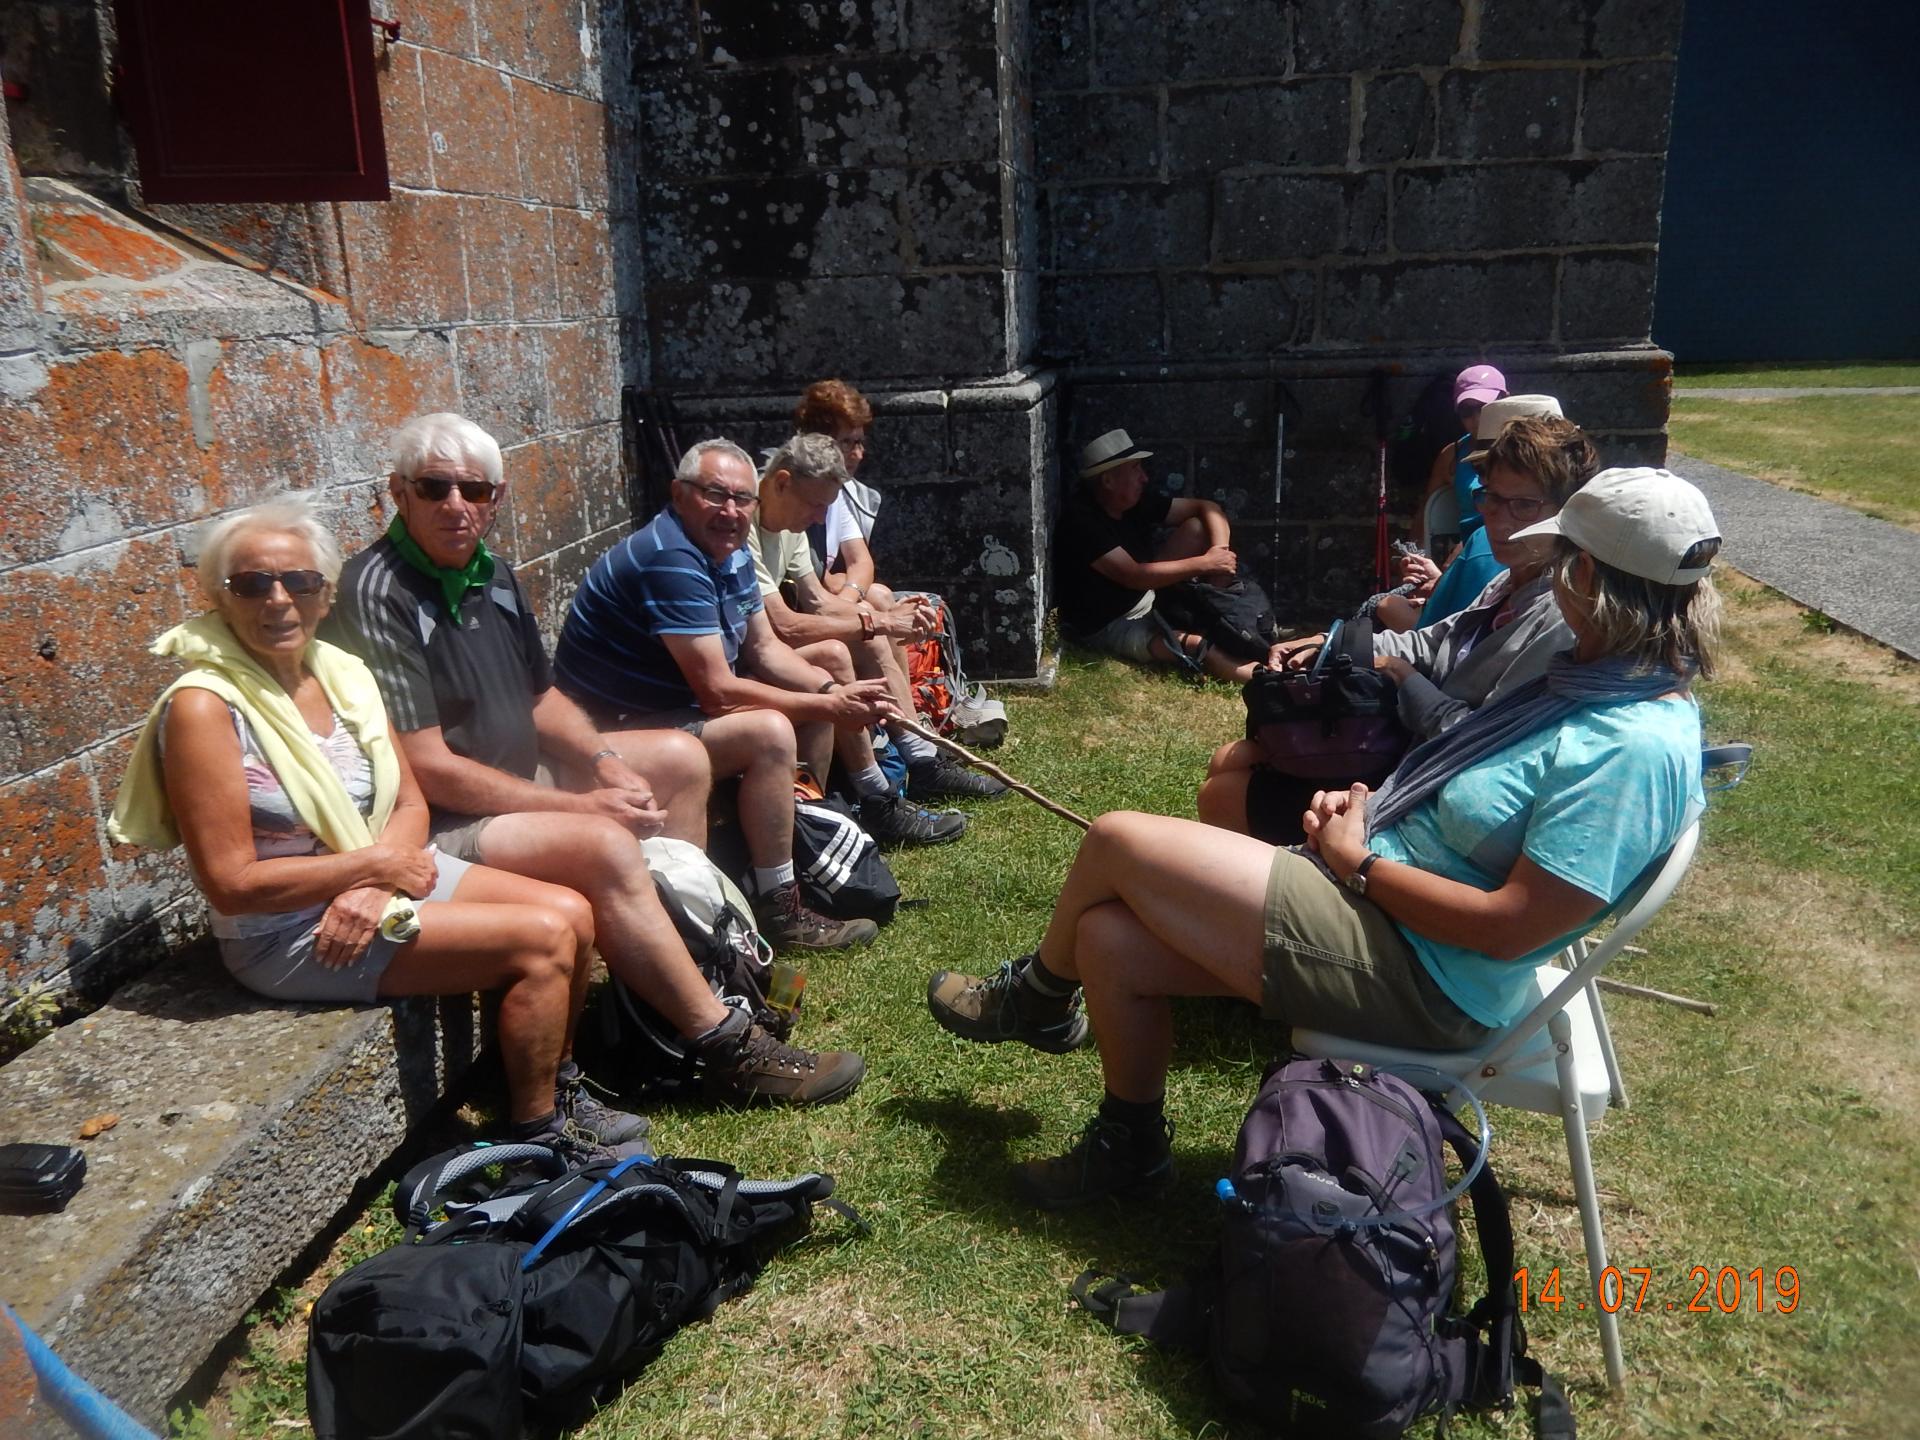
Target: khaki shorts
(1335,962)
(459,835)
(1131,636)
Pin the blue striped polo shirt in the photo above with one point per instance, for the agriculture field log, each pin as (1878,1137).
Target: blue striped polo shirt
(655,582)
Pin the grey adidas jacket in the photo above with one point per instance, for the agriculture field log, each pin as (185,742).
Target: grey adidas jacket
(1448,688)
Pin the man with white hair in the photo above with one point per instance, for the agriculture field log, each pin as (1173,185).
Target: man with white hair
(446,629)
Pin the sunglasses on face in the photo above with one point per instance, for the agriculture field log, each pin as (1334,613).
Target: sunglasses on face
(435,488)
(258,584)
(1524,511)
(720,497)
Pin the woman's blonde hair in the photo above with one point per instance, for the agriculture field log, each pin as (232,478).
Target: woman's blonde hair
(288,513)
(1677,626)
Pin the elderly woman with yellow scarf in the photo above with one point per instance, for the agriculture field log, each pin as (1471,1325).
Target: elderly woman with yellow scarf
(270,759)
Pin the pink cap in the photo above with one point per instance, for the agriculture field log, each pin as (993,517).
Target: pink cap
(1478,382)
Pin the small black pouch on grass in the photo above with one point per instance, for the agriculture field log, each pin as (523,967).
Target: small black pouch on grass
(1337,720)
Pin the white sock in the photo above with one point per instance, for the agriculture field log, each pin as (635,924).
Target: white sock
(769,879)
(870,781)
(914,748)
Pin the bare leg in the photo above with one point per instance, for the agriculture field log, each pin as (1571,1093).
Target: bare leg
(676,765)
(758,746)
(1129,973)
(1184,541)
(532,952)
(1223,795)
(1200,891)
(604,862)
(1216,662)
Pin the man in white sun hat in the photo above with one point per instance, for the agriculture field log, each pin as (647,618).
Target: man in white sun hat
(1119,542)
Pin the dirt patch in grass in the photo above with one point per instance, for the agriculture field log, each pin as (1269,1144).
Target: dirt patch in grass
(1826,937)
(1767,623)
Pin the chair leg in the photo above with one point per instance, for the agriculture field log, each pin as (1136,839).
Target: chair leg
(1580,1162)
(1616,1082)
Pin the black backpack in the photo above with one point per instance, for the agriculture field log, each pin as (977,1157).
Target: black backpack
(1328,1310)
(1337,720)
(533,1305)
(1237,617)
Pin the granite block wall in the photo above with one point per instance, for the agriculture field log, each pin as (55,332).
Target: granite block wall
(157,371)
(1253,207)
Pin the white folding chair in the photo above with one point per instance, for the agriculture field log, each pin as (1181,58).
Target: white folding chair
(1558,1058)
(1442,517)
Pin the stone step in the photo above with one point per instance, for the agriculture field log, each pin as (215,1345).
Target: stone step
(244,1128)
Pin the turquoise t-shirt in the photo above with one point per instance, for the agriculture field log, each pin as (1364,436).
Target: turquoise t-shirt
(1592,801)
(1471,572)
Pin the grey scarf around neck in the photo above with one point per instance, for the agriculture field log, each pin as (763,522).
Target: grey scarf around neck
(1567,686)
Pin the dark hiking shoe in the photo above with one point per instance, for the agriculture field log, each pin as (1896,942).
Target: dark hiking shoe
(788,923)
(946,778)
(1108,1159)
(896,820)
(743,1065)
(578,1146)
(1004,1007)
(573,1097)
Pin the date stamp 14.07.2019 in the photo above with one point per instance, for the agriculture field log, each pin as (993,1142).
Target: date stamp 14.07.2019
(1706,1290)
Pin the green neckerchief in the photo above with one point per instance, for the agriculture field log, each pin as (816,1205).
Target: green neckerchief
(454,584)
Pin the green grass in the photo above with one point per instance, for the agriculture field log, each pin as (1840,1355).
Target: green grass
(1777,1133)
(1768,374)
(1861,451)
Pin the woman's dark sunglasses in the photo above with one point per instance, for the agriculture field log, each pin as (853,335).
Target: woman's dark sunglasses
(1524,512)
(434,488)
(258,584)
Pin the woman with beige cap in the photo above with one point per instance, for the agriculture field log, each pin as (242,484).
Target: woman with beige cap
(1413,916)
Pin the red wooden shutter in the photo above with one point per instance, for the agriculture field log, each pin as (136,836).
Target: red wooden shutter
(252,100)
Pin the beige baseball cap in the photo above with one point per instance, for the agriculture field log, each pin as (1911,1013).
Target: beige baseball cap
(1639,520)
(1495,415)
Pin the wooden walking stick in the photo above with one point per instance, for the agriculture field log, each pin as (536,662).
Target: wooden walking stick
(914,727)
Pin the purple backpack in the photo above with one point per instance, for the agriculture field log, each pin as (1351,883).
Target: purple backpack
(1328,1310)
(1338,720)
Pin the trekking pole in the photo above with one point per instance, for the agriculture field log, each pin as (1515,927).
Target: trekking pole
(1382,555)
(1621,987)
(914,727)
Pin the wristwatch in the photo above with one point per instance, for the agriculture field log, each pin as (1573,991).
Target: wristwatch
(1357,881)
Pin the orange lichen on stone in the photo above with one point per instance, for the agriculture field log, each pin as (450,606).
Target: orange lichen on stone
(101,246)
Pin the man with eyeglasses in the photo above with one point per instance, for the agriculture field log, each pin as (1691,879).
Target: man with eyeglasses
(669,629)
(801,483)
(447,631)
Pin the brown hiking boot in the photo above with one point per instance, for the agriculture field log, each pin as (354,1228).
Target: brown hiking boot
(788,923)
(742,1064)
(1004,1007)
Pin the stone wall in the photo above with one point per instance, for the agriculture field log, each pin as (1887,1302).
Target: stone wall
(153,373)
(1247,209)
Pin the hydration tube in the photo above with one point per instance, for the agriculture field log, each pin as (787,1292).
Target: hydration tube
(1223,1190)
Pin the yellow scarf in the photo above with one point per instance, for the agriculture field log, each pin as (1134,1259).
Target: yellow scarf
(218,662)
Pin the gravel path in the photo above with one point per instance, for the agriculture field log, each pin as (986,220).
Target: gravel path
(1863,572)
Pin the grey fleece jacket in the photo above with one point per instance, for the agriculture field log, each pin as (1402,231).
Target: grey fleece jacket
(1447,687)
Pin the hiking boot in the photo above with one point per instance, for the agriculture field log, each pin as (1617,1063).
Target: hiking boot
(1005,1007)
(742,1064)
(575,1101)
(1109,1159)
(896,820)
(577,1146)
(789,923)
(943,777)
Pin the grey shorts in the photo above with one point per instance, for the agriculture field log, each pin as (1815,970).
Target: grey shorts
(1131,636)
(459,835)
(281,966)
(690,719)
(1336,962)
